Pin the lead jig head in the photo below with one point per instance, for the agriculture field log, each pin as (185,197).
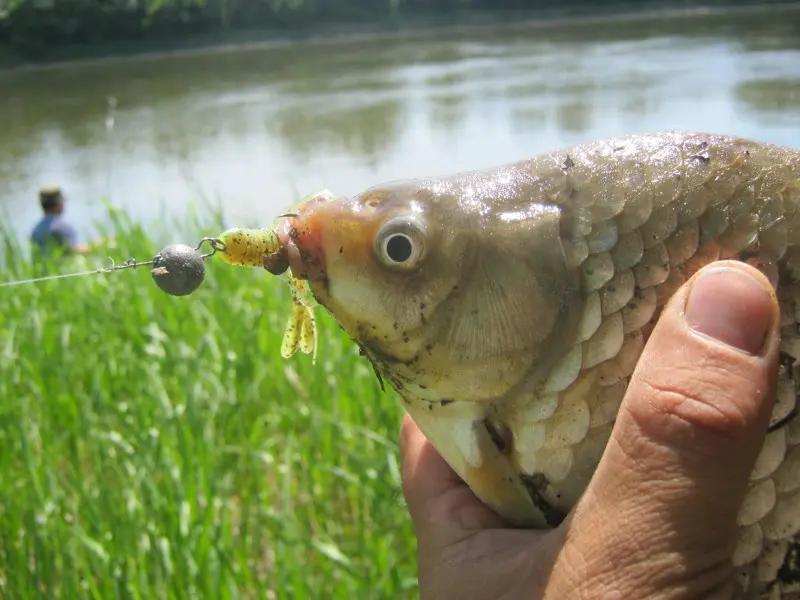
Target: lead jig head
(180,269)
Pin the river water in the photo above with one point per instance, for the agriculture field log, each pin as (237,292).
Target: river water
(253,129)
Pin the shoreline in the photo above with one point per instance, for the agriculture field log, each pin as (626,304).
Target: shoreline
(263,39)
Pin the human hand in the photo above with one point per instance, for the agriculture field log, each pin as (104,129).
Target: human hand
(658,519)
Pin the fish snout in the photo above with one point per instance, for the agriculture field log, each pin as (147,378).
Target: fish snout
(303,245)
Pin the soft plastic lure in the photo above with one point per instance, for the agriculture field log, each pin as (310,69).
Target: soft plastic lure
(263,248)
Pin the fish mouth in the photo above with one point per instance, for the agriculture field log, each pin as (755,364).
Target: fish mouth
(294,257)
(302,237)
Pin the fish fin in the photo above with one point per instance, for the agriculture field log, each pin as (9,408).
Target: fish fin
(462,438)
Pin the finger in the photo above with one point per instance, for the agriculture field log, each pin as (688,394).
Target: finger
(691,425)
(443,508)
(426,475)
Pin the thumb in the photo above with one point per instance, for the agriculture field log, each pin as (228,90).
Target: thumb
(689,431)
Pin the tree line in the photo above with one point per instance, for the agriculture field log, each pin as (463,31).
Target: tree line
(32,27)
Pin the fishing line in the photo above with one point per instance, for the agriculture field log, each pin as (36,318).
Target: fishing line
(178,269)
(128,264)
(49,277)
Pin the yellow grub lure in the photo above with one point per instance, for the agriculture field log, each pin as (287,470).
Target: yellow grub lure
(263,248)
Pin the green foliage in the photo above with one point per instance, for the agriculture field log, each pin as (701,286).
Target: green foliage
(159,447)
(34,28)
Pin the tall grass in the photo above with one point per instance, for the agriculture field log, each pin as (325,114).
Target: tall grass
(160,447)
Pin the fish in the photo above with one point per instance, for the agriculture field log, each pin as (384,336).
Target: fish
(508,307)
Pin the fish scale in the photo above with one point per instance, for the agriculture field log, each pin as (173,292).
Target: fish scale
(637,216)
(683,234)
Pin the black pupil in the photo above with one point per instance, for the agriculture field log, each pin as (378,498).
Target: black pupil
(398,248)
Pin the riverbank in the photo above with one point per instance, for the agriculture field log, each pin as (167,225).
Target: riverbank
(402,25)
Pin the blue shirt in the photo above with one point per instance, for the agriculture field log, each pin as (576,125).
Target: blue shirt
(53,228)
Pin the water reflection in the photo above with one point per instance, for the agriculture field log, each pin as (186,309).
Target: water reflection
(771,96)
(369,131)
(258,127)
(445,112)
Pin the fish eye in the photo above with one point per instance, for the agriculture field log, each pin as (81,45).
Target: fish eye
(399,248)
(400,243)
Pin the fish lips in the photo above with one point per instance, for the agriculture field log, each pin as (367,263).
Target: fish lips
(303,247)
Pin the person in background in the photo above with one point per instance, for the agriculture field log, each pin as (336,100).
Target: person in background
(53,229)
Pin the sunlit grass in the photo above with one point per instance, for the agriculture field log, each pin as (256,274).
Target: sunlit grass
(160,447)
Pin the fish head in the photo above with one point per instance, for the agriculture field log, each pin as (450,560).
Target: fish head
(454,288)
(381,263)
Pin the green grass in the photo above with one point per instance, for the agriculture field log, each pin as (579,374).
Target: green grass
(160,447)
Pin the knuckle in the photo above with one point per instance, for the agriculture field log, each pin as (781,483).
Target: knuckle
(707,398)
